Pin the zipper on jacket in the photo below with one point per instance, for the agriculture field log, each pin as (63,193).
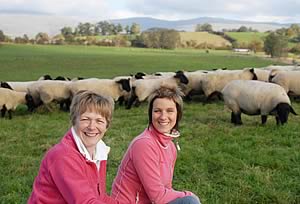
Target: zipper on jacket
(98,188)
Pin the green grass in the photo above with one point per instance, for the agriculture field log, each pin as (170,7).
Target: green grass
(247,37)
(218,161)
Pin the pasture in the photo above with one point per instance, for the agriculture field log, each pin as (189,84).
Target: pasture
(203,38)
(247,37)
(218,161)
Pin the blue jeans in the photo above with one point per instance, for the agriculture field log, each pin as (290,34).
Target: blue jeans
(185,200)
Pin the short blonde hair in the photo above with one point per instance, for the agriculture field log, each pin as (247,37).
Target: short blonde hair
(172,93)
(89,101)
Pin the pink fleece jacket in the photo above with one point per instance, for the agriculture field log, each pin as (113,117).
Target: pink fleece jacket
(146,171)
(66,176)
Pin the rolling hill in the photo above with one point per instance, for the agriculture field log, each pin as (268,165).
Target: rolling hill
(17,25)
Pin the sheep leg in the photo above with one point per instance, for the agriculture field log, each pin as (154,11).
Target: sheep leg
(263,119)
(121,100)
(68,104)
(3,111)
(9,114)
(131,100)
(233,118)
(239,119)
(236,118)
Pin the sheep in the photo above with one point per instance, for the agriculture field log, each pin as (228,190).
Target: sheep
(45,77)
(20,85)
(257,98)
(282,67)
(141,89)
(114,88)
(194,85)
(44,92)
(262,74)
(214,82)
(5,85)
(10,99)
(289,80)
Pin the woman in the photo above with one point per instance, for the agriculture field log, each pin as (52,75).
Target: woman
(74,170)
(146,171)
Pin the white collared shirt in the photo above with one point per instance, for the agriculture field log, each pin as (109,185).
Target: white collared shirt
(101,151)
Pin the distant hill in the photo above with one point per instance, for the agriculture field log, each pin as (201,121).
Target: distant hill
(189,25)
(17,25)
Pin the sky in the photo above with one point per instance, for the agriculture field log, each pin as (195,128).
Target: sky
(280,11)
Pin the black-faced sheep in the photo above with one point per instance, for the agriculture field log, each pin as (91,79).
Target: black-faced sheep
(44,92)
(214,82)
(289,80)
(257,98)
(10,99)
(109,87)
(141,89)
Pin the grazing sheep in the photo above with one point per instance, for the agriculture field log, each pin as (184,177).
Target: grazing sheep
(20,85)
(10,99)
(141,89)
(257,98)
(44,92)
(214,82)
(194,86)
(109,87)
(262,74)
(289,80)
(282,67)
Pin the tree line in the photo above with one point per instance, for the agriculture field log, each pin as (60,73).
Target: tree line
(274,44)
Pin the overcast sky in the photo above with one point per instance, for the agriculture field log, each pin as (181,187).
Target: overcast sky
(281,11)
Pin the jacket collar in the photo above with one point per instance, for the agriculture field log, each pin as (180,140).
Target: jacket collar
(163,139)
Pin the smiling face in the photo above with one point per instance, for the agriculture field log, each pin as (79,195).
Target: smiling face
(164,114)
(91,127)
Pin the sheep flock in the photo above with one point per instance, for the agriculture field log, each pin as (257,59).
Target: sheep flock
(252,91)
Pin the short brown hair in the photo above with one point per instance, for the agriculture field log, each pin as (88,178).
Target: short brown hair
(89,101)
(173,93)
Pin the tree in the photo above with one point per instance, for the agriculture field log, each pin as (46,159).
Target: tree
(127,29)
(86,29)
(276,44)
(204,27)
(255,45)
(103,27)
(242,29)
(119,28)
(2,36)
(135,28)
(42,38)
(169,39)
(164,38)
(67,33)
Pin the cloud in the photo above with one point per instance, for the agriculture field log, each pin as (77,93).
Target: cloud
(259,10)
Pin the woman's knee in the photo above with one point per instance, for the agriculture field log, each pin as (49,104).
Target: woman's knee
(192,200)
(186,200)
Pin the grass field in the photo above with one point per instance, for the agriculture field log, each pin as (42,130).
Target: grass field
(204,37)
(219,162)
(247,37)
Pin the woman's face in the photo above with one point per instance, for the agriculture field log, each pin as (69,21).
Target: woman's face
(164,114)
(91,127)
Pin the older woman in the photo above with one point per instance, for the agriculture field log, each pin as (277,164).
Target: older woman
(146,171)
(74,170)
